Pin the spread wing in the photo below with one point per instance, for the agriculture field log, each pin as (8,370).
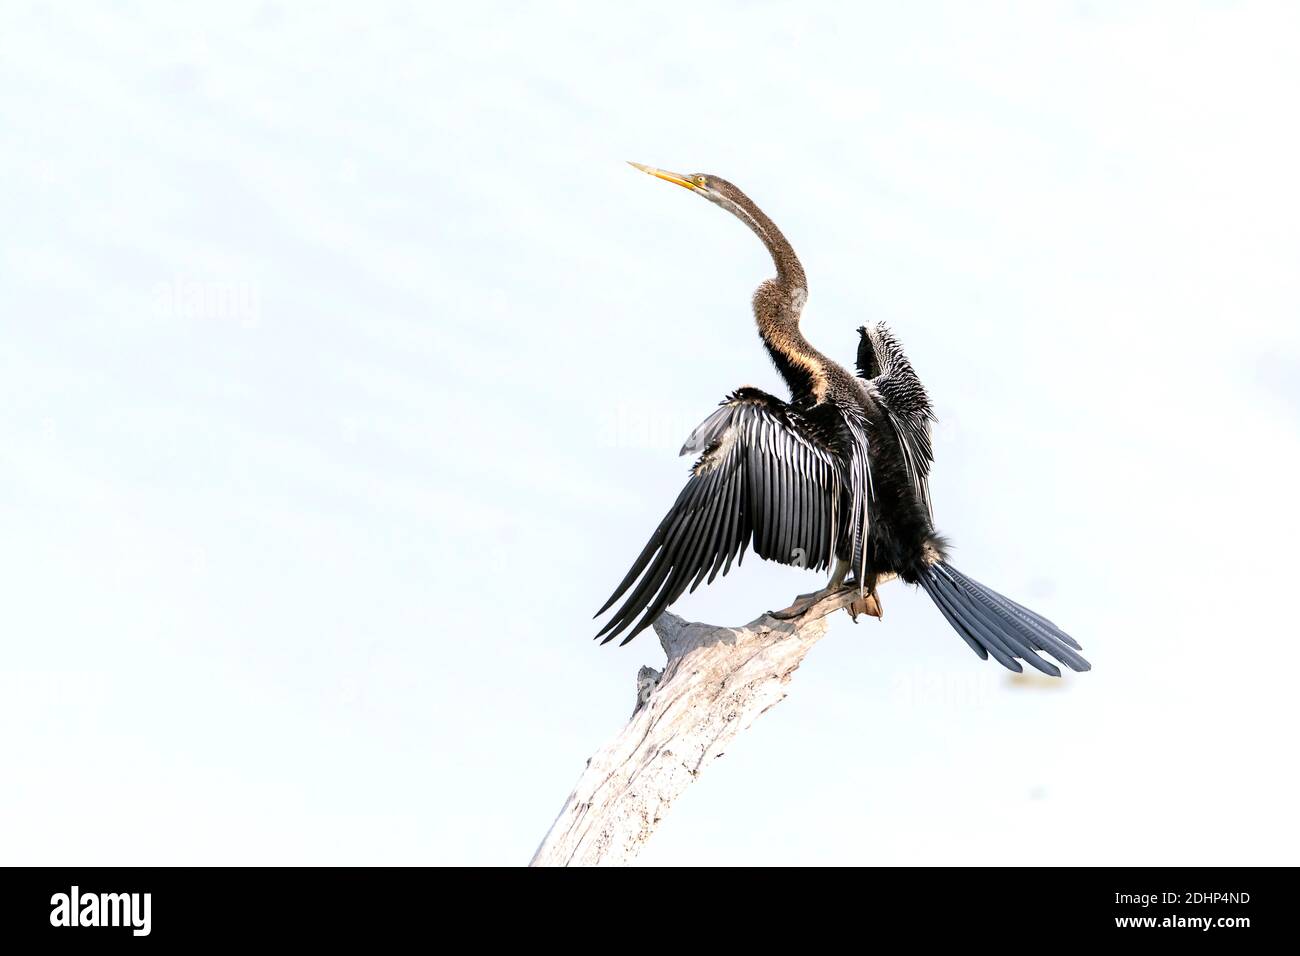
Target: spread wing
(895,385)
(764,475)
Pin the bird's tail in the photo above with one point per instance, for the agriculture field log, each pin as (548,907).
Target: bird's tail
(997,625)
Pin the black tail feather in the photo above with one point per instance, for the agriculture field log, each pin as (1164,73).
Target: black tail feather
(996,625)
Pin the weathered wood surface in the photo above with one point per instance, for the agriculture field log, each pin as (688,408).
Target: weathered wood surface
(715,684)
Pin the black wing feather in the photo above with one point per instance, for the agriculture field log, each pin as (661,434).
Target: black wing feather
(895,385)
(763,478)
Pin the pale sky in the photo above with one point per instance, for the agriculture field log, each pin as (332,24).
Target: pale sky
(345,364)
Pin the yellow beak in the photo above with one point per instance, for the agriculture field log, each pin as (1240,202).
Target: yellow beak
(663,174)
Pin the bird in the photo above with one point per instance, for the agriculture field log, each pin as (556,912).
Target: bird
(836,478)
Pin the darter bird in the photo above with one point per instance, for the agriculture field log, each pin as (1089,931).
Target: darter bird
(837,477)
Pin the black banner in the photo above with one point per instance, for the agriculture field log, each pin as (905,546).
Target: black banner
(207,905)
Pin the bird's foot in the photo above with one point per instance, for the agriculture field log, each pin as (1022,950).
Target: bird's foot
(801,604)
(866,604)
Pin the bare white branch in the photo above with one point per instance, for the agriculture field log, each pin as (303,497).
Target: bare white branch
(716,682)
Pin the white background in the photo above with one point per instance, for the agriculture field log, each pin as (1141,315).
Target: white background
(344,364)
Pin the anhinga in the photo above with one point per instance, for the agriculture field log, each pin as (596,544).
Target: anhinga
(835,478)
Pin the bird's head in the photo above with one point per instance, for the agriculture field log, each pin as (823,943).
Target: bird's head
(713,188)
(722,193)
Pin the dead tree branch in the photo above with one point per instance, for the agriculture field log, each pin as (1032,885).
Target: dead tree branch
(716,682)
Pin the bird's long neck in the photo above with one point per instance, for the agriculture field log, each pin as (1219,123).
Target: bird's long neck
(789,271)
(778,306)
(804,368)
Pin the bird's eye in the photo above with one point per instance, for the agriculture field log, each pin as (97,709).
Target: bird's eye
(699,181)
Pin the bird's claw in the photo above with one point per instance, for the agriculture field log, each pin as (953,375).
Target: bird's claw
(866,604)
(803,602)
(867,601)
(800,604)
